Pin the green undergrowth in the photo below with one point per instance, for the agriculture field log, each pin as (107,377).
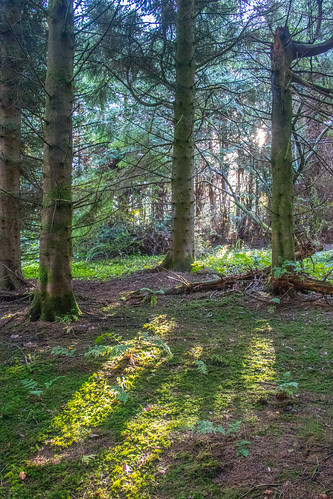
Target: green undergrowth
(228,260)
(224,260)
(170,407)
(100,269)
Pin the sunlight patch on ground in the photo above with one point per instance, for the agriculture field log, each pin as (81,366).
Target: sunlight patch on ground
(97,398)
(160,325)
(258,363)
(196,352)
(223,400)
(228,260)
(132,465)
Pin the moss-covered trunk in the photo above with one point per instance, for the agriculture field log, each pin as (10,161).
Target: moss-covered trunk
(181,253)
(54,295)
(283,245)
(10,144)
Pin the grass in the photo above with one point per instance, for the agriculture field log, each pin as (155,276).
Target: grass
(182,404)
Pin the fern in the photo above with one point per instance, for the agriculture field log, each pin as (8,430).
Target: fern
(97,351)
(109,336)
(155,340)
(87,458)
(205,427)
(112,351)
(151,295)
(121,349)
(50,383)
(153,301)
(32,387)
(121,395)
(63,351)
(234,427)
(217,359)
(208,427)
(201,366)
(286,387)
(101,250)
(242,448)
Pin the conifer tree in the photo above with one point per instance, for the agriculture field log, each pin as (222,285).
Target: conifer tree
(181,253)
(10,144)
(285,50)
(54,294)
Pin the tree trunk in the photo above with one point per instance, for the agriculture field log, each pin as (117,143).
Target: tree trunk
(10,145)
(284,51)
(283,244)
(54,296)
(159,203)
(181,253)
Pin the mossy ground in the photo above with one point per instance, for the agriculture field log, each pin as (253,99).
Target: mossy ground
(100,408)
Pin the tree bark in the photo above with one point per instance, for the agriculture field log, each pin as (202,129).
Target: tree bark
(282,217)
(10,144)
(54,295)
(284,51)
(181,253)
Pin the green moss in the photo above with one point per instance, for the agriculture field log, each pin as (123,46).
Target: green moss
(43,275)
(146,447)
(178,264)
(48,308)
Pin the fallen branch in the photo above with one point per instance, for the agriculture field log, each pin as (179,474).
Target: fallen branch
(302,284)
(281,285)
(278,285)
(220,283)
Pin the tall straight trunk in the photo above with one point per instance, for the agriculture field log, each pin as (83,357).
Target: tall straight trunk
(181,253)
(284,51)
(283,245)
(54,295)
(10,144)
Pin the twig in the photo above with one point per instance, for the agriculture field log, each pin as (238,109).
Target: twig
(179,278)
(328,457)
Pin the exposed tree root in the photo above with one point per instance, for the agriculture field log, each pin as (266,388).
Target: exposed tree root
(13,296)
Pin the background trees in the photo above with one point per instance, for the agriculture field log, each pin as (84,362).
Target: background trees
(172,130)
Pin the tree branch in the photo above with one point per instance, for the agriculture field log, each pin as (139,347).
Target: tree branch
(308,50)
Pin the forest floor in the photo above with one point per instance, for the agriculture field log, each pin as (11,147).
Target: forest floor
(216,395)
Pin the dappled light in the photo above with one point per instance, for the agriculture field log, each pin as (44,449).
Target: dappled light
(259,361)
(130,467)
(195,387)
(109,386)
